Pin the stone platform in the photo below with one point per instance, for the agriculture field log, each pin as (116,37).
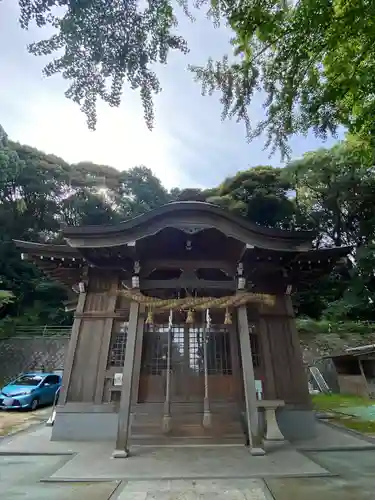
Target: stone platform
(30,462)
(94,462)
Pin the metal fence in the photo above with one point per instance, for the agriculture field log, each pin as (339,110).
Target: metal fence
(39,331)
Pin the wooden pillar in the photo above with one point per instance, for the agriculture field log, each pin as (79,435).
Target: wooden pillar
(249,383)
(181,373)
(266,354)
(364,377)
(167,402)
(69,360)
(286,375)
(299,375)
(106,343)
(235,360)
(138,354)
(206,401)
(122,450)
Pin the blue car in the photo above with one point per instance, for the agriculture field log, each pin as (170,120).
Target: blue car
(30,390)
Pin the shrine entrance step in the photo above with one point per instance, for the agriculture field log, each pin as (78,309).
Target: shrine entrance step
(186,425)
(171,441)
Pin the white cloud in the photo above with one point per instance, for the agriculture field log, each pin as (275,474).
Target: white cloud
(34,111)
(121,139)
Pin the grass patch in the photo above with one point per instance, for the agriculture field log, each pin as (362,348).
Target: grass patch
(326,402)
(334,402)
(362,329)
(8,429)
(362,426)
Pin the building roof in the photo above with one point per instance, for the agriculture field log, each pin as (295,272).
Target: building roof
(215,235)
(47,249)
(60,262)
(190,217)
(353,352)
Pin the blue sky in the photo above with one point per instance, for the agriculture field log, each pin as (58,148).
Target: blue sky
(189,147)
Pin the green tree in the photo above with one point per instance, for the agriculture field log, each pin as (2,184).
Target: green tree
(5,297)
(30,190)
(101,45)
(356,302)
(192,194)
(337,188)
(262,195)
(39,193)
(313,59)
(139,191)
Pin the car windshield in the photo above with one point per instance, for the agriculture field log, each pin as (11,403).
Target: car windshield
(28,380)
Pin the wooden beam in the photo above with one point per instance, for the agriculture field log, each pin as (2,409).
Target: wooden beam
(150,265)
(187,283)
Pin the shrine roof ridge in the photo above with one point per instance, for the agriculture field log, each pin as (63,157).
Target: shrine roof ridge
(191,208)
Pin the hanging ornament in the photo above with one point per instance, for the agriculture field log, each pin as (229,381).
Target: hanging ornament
(228,317)
(150,318)
(190,316)
(208,319)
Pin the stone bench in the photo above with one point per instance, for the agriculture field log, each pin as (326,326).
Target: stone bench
(273,432)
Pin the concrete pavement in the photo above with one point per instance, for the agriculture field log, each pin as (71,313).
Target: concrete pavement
(341,468)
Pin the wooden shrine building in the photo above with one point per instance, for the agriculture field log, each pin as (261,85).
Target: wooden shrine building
(184,328)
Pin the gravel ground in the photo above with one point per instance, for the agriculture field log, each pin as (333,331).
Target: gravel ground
(13,421)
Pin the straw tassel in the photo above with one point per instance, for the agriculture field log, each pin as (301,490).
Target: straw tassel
(150,317)
(208,319)
(190,316)
(228,317)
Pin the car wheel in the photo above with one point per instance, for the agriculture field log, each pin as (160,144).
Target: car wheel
(34,404)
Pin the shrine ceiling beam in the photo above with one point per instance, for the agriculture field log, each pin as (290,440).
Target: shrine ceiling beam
(191,284)
(150,265)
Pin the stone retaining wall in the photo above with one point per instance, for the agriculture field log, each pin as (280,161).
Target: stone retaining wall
(19,354)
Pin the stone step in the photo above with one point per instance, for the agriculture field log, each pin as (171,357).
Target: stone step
(187,418)
(188,429)
(183,428)
(226,408)
(187,441)
(199,430)
(185,407)
(187,423)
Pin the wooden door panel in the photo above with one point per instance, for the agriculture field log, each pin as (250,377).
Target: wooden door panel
(151,388)
(187,373)
(194,387)
(223,387)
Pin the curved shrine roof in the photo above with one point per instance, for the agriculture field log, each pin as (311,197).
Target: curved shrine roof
(190,217)
(115,245)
